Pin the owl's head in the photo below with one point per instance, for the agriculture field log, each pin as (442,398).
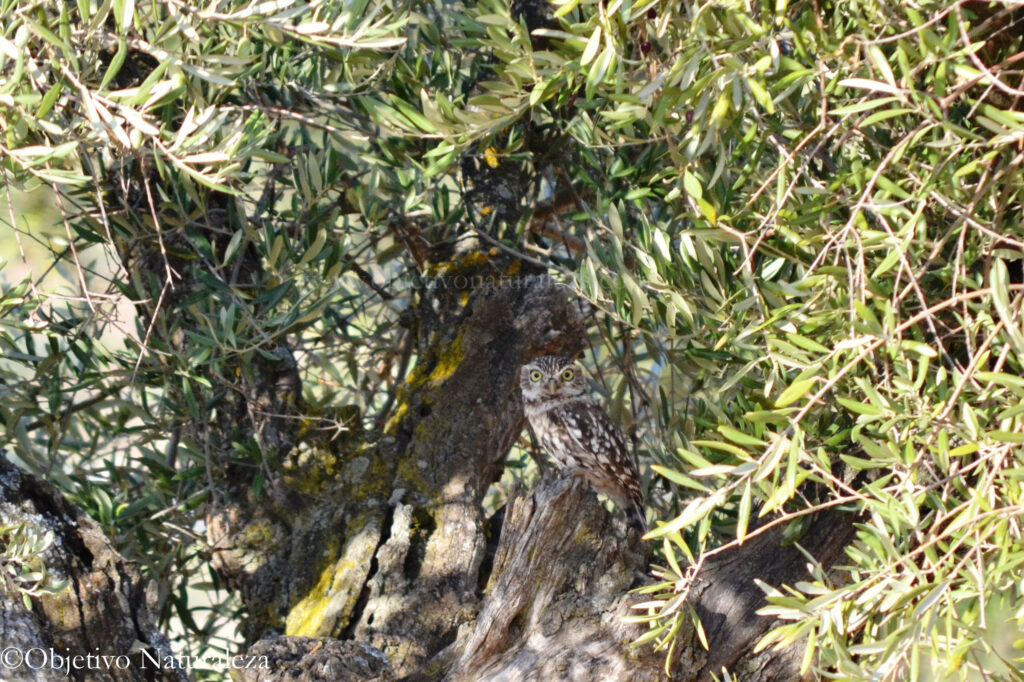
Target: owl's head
(550,377)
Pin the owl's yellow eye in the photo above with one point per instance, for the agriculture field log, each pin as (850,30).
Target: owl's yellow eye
(567,375)
(535,375)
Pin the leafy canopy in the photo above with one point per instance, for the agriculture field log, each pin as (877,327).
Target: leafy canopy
(799,225)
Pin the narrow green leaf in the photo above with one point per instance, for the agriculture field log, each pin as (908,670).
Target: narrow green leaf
(860,407)
(565,8)
(694,511)
(679,478)
(599,70)
(795,392)
(743,513)
(692,185)
(590,51)
(737,436)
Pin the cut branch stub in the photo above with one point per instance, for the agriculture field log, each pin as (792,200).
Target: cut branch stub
(558,594)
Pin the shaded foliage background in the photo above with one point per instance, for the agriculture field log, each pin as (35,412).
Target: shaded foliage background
(797,225)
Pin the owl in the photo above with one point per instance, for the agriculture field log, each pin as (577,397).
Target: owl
(578,434)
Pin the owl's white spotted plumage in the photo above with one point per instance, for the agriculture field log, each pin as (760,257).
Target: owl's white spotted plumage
(578,434)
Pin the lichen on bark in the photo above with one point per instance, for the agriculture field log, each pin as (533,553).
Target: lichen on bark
(102,607)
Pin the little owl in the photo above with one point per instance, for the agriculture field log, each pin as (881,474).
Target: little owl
(578,434)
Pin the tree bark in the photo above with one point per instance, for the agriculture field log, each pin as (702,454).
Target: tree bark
(559,592)
(98,625)
(557,596)
(371,556)
(401,545)
(727,600)
(384,540)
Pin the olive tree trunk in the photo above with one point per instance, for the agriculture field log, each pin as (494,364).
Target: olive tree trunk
(372,557)
(386,542)
(89,619)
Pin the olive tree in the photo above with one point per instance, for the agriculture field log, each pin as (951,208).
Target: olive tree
(786,235)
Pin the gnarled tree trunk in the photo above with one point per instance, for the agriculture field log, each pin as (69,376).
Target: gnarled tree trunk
(404,562)
(372,557)
(97,626)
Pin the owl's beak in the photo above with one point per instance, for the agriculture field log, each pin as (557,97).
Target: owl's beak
(552,385)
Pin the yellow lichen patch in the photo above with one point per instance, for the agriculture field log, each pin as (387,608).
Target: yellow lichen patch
(258,536)
(474,258)
(491,157)
(401,407)
(325,609)
(411,471)
(515,267)
(438,269)
(305,424)
(307,618)
(448,360)
(309,468)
